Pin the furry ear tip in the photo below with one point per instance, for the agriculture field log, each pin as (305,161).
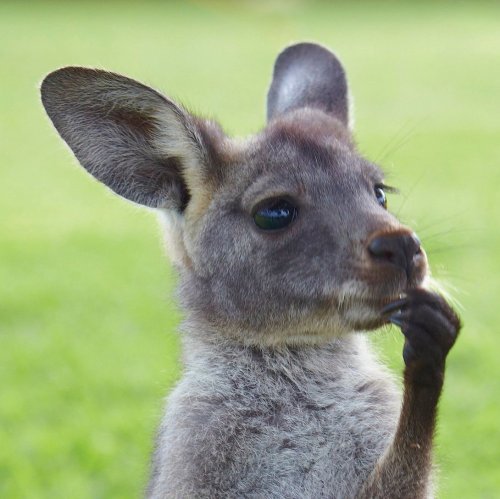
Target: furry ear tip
(307,74)
(308,51)
(306,47)
(49,81)
(55,82)
(63,73)
(69,74)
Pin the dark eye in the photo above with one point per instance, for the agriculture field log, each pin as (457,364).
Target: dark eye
(381,197)
(275,214)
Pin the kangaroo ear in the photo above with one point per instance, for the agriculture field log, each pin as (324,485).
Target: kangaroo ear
(308,75)
(125,134)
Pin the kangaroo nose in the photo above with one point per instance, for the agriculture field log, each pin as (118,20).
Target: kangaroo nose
(399,249)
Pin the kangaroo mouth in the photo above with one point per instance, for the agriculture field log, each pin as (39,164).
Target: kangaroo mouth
(380,303)
(362,308)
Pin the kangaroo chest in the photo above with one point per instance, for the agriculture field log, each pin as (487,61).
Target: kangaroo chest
(275,429)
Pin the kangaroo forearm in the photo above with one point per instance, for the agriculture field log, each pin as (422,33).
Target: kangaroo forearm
(397,476)
(403,470)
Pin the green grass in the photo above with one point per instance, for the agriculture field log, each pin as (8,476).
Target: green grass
(87,317)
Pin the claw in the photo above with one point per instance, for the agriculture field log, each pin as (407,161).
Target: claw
(397,319)
(395,305)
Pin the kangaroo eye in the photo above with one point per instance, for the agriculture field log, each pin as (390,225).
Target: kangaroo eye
(381,197)
(275,214)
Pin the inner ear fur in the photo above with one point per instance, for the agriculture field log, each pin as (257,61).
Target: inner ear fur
(128,136)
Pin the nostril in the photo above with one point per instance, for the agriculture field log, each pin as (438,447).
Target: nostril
(380,247)
(397,248)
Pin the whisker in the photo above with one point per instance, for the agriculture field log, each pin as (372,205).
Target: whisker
(399,144)
(382,153)
(449,232)
(399,139)
(443,287)
(447,276)
(450,248)
(408,194)
(436,222)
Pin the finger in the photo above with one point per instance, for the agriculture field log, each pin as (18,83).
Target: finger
(424,297)
(398,319)
(396,305)
(435,321)
(420,345)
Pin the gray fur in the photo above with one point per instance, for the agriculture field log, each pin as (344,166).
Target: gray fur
(246,422)
(280,394)
(308,75)
(113,124)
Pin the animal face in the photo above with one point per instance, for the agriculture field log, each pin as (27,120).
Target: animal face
(281,238)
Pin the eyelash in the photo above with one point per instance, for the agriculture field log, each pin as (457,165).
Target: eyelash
(387,188)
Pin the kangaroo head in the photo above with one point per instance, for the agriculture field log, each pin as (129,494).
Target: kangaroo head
(282,238)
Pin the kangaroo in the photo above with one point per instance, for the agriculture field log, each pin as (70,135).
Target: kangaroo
(286,256)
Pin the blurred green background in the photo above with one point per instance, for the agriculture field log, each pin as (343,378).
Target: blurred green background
(87,314)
